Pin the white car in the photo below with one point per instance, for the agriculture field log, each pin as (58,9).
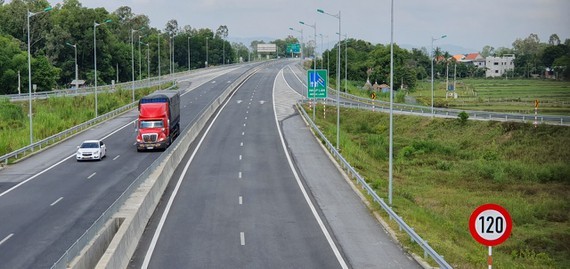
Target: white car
(91,150)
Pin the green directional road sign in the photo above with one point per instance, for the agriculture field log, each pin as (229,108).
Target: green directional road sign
(317,83)
(294,48)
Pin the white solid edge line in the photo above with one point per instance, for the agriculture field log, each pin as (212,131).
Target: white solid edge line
(307,199)
(295,74)
(158,230)
(58,163)
(6,238)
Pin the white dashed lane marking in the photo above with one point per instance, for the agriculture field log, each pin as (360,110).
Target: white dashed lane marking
(6,239)
(56,201)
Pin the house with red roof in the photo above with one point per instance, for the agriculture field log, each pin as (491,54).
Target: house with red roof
(475,58)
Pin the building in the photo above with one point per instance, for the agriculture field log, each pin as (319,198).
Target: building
(498,66)
(476,59)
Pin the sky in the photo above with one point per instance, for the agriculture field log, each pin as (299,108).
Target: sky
(468,24)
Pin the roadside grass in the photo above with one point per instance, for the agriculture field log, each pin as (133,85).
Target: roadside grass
(443,170)
(500,95)
(56,114)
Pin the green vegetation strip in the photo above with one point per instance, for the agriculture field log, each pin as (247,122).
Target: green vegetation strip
(445,168)
(56,114)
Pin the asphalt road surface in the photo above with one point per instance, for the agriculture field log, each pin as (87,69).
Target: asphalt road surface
(246,197)
(49,200)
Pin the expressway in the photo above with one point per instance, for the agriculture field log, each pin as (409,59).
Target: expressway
(48,200)
(247,197)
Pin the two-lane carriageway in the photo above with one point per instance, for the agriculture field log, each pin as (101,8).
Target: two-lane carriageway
(238,201)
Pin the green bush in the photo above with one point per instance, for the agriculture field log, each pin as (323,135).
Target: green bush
(462,117)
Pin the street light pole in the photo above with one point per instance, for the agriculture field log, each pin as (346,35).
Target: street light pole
(140,59)
(314,26)
(133,63)
(76,71)
(391,150)
(207,51)
(95,24)
(171,54)
(345,61)
(301,32)
(148,63)
(337,77)
(158,56)
(432,60)
(322,50)
(188,53)
(29,15)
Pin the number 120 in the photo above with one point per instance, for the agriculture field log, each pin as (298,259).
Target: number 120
(493,224)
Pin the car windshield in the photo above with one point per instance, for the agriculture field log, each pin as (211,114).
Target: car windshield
(151,124)
(89,145)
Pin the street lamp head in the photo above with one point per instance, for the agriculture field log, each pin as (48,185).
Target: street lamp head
(31,14)
(302,22)
(108,21)
(320,11)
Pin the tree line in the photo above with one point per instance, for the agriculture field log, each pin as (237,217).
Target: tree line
(54,33)
(533,58)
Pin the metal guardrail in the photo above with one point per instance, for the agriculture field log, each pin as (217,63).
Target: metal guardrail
(446,112)
(138,84)
(90,90)
(94,229)
(64,134)
(370,104)
(428,250)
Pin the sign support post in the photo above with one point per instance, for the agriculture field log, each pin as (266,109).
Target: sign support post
(490,259)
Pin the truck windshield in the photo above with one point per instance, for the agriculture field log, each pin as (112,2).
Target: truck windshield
(151,124)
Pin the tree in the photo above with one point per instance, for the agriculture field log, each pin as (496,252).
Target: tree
(551,53)
(171,27)
(554,40)
(487,51)
(222,32)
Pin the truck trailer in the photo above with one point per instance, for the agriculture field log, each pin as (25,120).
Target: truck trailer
(159,120)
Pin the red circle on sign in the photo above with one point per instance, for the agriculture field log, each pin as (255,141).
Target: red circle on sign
(502,212)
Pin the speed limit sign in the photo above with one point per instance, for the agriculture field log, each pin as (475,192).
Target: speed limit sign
(490,224)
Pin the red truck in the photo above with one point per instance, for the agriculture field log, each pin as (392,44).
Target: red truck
(159,120)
